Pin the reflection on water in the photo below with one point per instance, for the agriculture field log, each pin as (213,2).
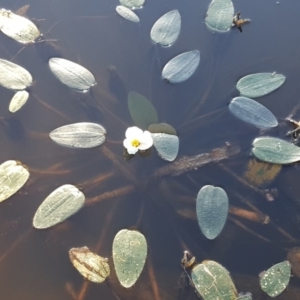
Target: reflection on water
(35,264)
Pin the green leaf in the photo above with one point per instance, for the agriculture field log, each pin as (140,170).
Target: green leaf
(18,100)
(129,256)
(245,297)
(275,280)
(141,110)
(162,128)
(167,145)
(127,14)
(276,151)
(132,3)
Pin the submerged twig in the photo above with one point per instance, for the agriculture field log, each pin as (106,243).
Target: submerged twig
(153,281)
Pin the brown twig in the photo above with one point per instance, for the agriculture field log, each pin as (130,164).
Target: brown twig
(153,281)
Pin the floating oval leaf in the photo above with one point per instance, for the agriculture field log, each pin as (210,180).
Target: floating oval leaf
(259,84)
(129,255)
(12,177)
(220,15)
(275,280)
(212,210)
(126,13)
(167,145)
(18,100)
(252,112)
(90,265)
(166,29)
(18,28)
(132,3)
(247,296)
(79,135)
(181,67)
(162,128)
(294,258)
(276,151)
(213,281)
(14,77)
(141,110)
(58,206)
(72,74)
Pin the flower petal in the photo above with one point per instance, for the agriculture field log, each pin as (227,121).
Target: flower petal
(133,133)
(146,141)
(130,149)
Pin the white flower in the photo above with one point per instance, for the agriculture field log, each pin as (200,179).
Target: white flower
(137,139)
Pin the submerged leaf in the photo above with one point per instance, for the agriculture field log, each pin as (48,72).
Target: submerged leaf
(13,76)
(18,100)
(166,29)
(276,151)
(252,112)
(275,280)
(58,206)
(162,128)
(129,255)
(17,27)
(72,74)
(259,84)
(244,297)
(79,135)
(126,13)
(141,110)
(212,281)
(212,210)
(181,67)
(12,177)
(220,15)
(167,145)
(90,265)
(132,3)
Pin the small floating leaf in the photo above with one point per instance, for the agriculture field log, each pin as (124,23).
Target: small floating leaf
(259,84)
(252,112)
(275,280)
(90,265)
(58,206)
(276,151)
(212,210)
(129,255)
(220,15)
(141,110)
(18,100)
(162,128)
(14,77)
(244,297)
(181,67)
(167,145)
(79,135)
(213,281)
(126,13)
(166,29)
(18,28)
(72,74)
(132,3)
(294,258)
(12,177)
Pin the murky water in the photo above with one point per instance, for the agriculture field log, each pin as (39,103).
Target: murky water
(35,264)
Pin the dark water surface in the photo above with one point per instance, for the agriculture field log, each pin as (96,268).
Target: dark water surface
(35,264)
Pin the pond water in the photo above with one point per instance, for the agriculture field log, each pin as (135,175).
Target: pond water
(35,263)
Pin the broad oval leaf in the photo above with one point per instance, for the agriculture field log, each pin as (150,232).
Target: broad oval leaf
(294,259)
(252,112)
(18,100)
(162,128)
(18,28)
(212,281)
(275,280)
(132,3)
(141,110)
(90,265)
(58,206)
(12,177)
(72,74)
(13,76)
(181,67)
(166,29)
(167,145)
(220,15)
(126,13)
(212,210)
(79,135)
(276,151)
(259,84)
(129,256)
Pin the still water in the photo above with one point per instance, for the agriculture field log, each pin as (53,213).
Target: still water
(35,264)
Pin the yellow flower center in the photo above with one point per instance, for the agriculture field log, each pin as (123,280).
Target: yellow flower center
(135,143)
